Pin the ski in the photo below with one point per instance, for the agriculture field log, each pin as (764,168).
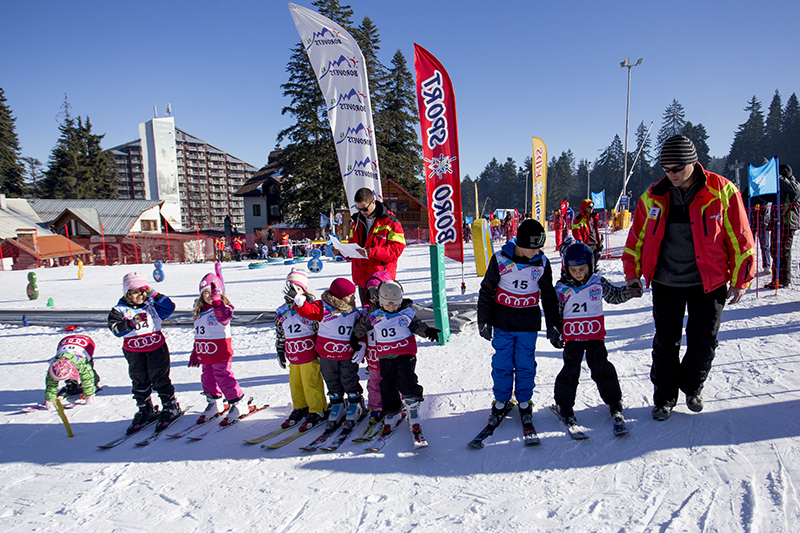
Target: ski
(574,429)
(529,435)
(487,431)
(198,424)
(386,434)
(620,427)
(43,407)
(294,436)
(330,428)
(160,429)
(419,438)
(123,438)
(347,428)
(220,427)
(269,435)
(373,429)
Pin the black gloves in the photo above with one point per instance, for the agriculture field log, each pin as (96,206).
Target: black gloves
(355,343)
(634,291)
(432,334)
(282,359)
(486,331)
(554,336)
(289,291)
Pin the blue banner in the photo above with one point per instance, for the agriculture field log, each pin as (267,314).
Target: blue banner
(763,179)
(599,200)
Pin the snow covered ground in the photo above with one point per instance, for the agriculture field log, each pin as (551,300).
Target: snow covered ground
(733,467)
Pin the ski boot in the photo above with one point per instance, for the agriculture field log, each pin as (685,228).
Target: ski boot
(355,406)
(295,417)
(144,416)
(375,417)
(526,413)
(170,410)
(568,414)
(412,408)
(311,420)
(239,407)
(338,411)
(695,402)
(497,412)
(211,410)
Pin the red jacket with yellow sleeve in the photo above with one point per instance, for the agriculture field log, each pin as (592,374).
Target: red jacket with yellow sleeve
(385,242)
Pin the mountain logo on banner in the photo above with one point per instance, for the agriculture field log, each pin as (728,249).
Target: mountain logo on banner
(358,168)
(323,37)
(439,166)
(361,134)
(358,105)
(334,67)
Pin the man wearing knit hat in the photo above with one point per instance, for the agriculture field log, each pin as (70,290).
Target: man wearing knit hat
(690,238)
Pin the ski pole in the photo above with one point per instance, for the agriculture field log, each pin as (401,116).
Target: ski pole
(63,415)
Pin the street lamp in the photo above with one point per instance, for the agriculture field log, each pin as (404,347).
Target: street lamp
(627,64)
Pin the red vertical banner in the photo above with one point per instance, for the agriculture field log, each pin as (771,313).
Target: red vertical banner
(437,120)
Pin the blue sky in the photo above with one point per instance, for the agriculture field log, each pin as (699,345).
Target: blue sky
(519,68)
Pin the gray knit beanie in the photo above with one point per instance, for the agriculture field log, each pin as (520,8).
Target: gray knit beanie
(678,150)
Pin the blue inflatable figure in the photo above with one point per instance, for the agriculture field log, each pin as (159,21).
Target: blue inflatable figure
(158,274)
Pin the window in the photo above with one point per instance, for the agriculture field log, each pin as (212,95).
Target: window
(274,210)
(149,225)
(256,210)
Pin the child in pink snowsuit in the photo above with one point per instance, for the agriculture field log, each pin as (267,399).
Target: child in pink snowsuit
(213,350)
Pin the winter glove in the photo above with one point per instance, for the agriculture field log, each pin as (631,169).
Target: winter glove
(289,291)
(634,291)
(216,288)
(90,400)
(432,334)
(486,331)
(282,359)
(151,292)
(355,343)
(299,300)
(141,318)
(554,336)
(194,361)
(358,356)
(50,405)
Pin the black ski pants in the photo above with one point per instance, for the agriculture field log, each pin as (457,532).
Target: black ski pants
(669,373)
(341,377)
(397,375)
(602,371)
(150,371)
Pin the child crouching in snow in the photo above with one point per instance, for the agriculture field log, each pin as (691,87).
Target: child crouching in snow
(73,362)
(295,340)
(213,350)
(394,324)
(580,299)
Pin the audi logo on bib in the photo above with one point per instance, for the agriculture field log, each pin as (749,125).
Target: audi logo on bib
(205,348)
(583,329)
(516,300)
(299,346)
(333,347)
(141,343)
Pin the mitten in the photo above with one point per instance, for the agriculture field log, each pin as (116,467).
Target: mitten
(359,354)
(300,300)
(554,336)
(194,361)
(90,400)
(282,359)
(216,288)
(355,343)
(432,334)
(151,292)
(486,331)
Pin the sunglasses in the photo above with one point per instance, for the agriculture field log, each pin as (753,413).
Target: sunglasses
(675,169)
(365,209)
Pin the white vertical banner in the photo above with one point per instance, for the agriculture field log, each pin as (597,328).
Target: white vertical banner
(342,75)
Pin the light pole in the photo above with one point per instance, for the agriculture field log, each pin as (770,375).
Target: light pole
(627,64)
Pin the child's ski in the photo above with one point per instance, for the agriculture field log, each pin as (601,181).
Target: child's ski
(487,431)
(294,436)
(573,428)
(159,430)
(374,429)
(387,433)
(620,427)
(220,427)
(347,428)
(330,429)
(529,435)
(419,438)
(269,435)
(197,425)
(123,438)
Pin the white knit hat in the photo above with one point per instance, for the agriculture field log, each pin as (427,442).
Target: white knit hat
(134,280)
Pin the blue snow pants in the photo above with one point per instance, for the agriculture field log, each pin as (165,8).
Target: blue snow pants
(513,364)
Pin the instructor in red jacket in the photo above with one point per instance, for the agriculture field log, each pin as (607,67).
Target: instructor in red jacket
(379,236)
(690,238)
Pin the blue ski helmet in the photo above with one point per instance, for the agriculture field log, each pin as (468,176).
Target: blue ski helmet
(579,254)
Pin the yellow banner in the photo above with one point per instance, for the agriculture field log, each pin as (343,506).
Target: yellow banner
(539,181)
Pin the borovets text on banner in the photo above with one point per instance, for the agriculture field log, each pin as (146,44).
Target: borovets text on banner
(539,181)
(341,72)
(437,120)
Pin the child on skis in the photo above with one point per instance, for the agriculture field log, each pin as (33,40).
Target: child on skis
(336,314)
(580,300)
(295,340)
(516,280)
(72,362)
(137,319)
(213,350)
(394,325)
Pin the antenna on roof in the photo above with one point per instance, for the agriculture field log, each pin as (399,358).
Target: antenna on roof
(155,112)
(169,110)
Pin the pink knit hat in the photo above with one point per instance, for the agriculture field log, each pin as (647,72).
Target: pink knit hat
(134,280)
(342,288)
(377,278)
(205,283)
(298,277)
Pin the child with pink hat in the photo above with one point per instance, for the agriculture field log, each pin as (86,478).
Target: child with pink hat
(72,362)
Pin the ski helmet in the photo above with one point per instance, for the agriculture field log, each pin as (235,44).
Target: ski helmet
(390,292)
(531,235)
(63,369)
(578,254)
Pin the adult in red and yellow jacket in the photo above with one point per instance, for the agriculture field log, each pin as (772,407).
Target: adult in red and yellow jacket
(586,228)
(380,237)
(690,237)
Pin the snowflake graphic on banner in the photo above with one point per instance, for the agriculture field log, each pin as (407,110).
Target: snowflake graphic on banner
(538,189)
(440,166)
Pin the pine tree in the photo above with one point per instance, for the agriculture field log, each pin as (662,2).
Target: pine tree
(748,142)
(368,40)
(33,176)
(468,196)
(672,122)
(773,127)
(698,136)
(11,170)
(78,167)
(396,123)
(643,174)
(608,170)
(790,134)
